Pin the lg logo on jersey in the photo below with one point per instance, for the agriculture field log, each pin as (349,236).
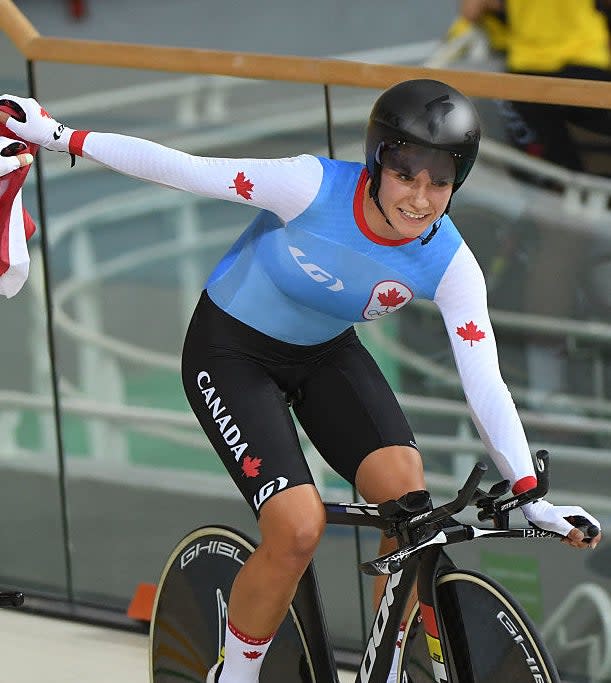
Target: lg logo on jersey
(317,273)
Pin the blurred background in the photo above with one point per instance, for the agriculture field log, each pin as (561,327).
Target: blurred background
(103,468)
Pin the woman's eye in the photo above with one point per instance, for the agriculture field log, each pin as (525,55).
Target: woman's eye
(404,176)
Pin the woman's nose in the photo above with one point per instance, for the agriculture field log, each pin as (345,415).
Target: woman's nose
(419,193)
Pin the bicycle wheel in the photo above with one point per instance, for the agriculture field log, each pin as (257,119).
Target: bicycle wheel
(489,636)
(190,613)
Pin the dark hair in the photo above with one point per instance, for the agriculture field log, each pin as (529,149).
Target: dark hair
(428,113)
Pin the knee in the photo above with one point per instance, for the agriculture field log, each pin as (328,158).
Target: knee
(295,540)
(390,472)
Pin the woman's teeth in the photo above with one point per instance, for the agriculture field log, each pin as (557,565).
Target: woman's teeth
(409,214)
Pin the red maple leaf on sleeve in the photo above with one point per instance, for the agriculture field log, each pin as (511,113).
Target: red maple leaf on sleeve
(242,185)
(390,298)
(470,332)
(252,654)
(250,466)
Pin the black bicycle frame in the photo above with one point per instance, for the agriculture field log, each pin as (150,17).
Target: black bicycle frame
(405,566)
(380,647)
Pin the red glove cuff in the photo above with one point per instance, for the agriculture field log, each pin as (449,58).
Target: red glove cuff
(524,484)
(77,140)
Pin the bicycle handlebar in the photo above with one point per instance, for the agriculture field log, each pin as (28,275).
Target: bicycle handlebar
(471,494)
(540,490)
(464,497)
(490,508)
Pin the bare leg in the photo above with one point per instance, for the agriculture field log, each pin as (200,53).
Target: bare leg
(384,474)
(291,525)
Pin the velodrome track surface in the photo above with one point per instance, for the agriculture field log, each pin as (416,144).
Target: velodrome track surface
(38,649)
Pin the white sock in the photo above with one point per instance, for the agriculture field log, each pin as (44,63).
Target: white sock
(394,667)
(243,656)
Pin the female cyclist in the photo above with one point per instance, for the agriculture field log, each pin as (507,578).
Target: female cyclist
(335,243)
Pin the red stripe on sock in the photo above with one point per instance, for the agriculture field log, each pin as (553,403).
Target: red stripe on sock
(246,638)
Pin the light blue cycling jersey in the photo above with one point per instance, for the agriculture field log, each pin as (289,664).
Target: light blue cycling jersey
(308,280)
(308,266)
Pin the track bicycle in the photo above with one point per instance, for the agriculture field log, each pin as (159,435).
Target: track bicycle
(465,629)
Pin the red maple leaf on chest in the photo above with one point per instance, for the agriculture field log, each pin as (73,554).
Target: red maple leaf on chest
(470,332)
(391,298)
(250,466)
(242,185)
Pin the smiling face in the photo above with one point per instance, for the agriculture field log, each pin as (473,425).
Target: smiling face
(415,188)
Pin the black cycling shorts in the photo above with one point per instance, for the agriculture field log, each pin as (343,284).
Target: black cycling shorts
(240,383)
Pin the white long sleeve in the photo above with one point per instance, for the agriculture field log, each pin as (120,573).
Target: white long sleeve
(284,186)
(461,297)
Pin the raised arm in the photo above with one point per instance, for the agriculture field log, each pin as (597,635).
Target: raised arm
(284,186)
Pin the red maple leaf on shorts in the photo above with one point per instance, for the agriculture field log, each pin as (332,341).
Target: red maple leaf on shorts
(470,332)
(250,466)
(391,298)
(242,185)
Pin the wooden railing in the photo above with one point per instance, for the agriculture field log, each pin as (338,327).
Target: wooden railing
(37,48)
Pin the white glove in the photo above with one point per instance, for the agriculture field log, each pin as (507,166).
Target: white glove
(39,127)
(12,156)
(553,517)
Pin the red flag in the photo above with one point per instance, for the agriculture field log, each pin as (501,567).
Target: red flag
(16,224)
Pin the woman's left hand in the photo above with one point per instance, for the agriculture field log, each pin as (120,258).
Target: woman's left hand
(561,520)
(31,122)
(13,155)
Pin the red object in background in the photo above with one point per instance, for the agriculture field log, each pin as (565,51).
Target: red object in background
(143,601)
(77,8)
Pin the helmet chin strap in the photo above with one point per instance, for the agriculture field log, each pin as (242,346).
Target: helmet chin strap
(423,240)
(434,229)
(376,200)
(436,224)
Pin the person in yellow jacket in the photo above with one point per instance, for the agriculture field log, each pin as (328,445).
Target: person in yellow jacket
(488,15)
(561,38)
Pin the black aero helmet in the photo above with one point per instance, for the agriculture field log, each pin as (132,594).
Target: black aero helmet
(427,113)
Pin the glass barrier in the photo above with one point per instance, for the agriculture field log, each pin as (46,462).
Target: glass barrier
(127,263)
(32,541)
(541,235)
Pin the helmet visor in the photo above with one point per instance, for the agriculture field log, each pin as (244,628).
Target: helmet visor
(409,159)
